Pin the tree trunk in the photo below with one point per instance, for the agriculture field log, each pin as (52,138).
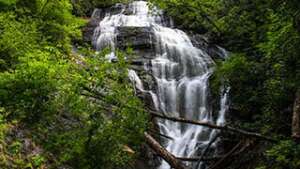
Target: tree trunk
(296,118)
(171,159)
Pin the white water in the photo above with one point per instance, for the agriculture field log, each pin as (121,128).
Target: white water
(181,72)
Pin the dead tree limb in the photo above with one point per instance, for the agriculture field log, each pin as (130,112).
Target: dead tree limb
(214,166)
(213,126)
(217,157)
(206,149)
(196,159)
(168,157)
(162,135)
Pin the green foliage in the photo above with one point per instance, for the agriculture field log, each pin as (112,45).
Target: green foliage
(243,76)
(37,161)
(30,84)
(50,90)
(34,24)
(17,37)
(61,25)
(195,15)
(7,4)
(284,155)
(77,110)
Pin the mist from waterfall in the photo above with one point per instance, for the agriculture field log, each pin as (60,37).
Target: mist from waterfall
(181,72)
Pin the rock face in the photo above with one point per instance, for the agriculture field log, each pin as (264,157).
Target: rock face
(139,38)
(95,19)
(170,69)
(142,40)
(215,51)
(88,31)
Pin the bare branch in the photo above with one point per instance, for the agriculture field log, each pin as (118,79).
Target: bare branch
(214,166)
(213,126)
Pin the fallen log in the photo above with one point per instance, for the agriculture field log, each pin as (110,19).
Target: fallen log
(167,156)
(213,126)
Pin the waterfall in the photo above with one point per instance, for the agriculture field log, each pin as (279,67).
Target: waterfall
(181,72)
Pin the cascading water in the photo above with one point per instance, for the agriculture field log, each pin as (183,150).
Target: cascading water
(181,72)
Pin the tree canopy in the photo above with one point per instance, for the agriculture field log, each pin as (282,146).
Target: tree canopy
(59,108)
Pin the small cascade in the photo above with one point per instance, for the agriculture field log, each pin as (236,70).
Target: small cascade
(224,106)
(181,72)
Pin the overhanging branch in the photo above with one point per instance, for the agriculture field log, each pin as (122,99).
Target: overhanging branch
(213,126)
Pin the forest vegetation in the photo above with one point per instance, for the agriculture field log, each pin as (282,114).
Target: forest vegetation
(48,118)
(61,108)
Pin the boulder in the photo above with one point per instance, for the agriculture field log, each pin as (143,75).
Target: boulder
(141,38)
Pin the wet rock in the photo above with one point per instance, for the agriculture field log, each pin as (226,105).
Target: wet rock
(96,18)
(149,80)
(94,21)
(116,9)
(141,38)
(202,42)
(145,53)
